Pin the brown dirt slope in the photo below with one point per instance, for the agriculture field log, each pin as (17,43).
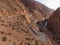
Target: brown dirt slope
(15,17)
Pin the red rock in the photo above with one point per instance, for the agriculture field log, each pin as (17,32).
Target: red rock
(54,25)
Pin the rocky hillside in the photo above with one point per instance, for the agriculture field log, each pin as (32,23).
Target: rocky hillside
(15,18)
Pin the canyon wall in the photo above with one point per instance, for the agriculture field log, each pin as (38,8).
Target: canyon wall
(54,25)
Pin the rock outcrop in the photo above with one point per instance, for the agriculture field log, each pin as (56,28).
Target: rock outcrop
(15,17)
(54,25)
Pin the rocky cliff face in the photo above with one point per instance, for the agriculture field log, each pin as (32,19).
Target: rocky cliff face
(54,25)
(15,17)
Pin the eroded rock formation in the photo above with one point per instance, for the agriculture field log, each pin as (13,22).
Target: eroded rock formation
(54,25)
